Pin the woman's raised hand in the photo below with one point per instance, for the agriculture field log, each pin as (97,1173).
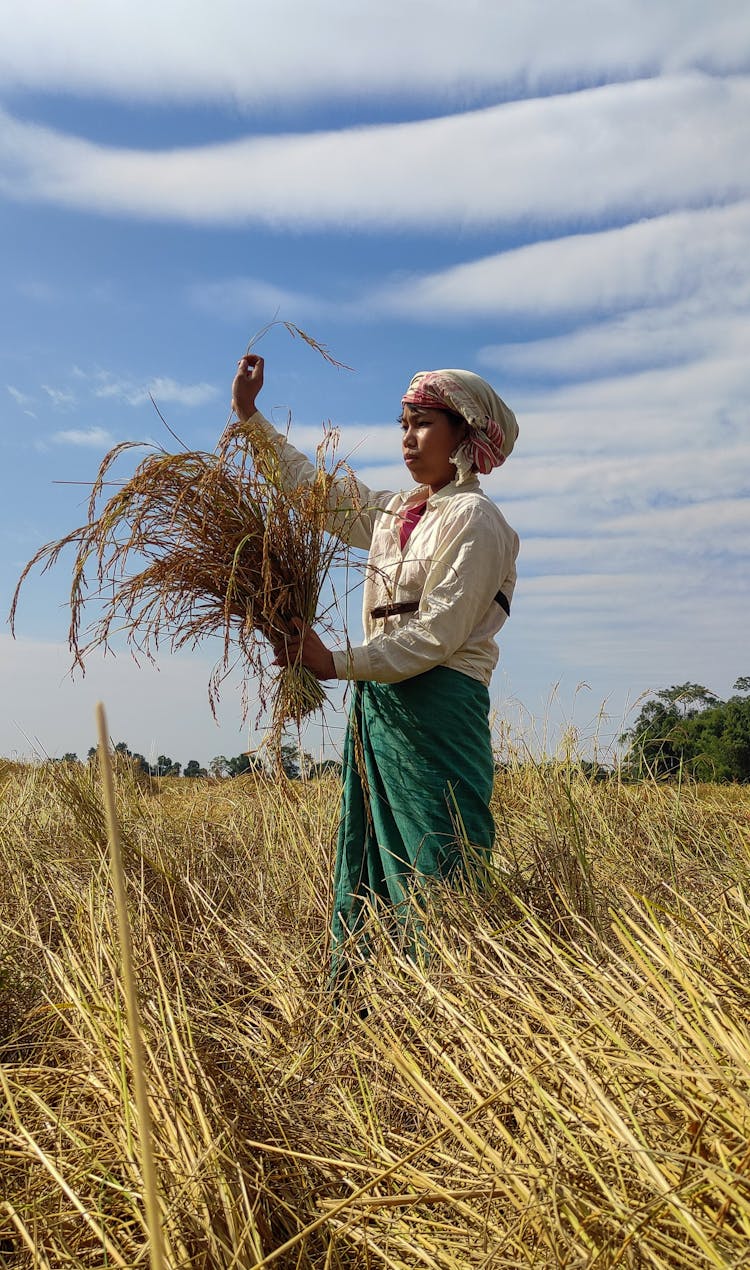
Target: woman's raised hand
(247,384)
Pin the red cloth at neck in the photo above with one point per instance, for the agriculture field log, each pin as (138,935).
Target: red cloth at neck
(409,522)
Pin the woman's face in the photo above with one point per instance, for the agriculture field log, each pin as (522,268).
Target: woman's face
(428,439)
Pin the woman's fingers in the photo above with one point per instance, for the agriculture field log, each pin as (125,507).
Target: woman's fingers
(286,651)
(252,366)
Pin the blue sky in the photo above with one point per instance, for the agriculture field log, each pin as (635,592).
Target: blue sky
(555,194)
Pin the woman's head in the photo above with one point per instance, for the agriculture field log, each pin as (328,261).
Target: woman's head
(491,427)
(430,437)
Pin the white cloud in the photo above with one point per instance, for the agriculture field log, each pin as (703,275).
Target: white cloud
(294,50)
(22,400)
(641,477)
(624,633)
(236,297)
(165,389)
(60,399)
(96,437)
(162,389)
(537,162)
(657,626)
(38,291)
(648,263)
(715,525)
(693,407)
(659,336)
(660,546)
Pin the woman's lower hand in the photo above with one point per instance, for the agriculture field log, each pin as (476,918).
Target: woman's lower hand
(247,384)
(305,646)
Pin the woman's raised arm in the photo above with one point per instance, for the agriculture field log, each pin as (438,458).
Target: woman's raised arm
(354,507)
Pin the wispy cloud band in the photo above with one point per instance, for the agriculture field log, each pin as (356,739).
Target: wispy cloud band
(585,155)
(647,263)
(292,50)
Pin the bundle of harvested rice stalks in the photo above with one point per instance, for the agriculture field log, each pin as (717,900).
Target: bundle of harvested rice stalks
(197,544)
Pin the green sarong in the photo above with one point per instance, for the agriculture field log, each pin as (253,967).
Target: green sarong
(418,772)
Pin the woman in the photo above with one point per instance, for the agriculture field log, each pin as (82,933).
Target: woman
(418,763)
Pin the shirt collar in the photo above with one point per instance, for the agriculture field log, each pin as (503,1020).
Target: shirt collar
(422,494)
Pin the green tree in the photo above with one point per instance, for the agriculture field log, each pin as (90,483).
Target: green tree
(138,760)
(688,728)
(721,742)
(658,739)
(240,764)
(243,763)
(193,769)
(290,760)
(324,767)
(688,699)
(296,762)
(165,767)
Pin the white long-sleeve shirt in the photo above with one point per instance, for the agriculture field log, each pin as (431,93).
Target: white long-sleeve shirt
(458,565)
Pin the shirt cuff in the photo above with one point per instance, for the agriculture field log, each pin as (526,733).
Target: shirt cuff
(352,663)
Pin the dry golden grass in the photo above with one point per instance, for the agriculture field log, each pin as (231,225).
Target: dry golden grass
(563,1081)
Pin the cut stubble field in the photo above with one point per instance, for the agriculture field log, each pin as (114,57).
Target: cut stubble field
(559,1077)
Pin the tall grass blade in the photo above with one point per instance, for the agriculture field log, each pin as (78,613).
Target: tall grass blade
(138,1049)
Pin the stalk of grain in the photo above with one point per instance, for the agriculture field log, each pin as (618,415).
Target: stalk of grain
(150,1189)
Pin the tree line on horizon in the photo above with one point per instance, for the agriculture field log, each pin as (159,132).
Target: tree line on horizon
(682,730)
(296,763)
(688,730)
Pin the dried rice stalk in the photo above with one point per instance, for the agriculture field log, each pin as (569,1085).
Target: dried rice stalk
(198,544)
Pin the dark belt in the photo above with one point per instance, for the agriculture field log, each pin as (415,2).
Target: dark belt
(412,606)
(390,610)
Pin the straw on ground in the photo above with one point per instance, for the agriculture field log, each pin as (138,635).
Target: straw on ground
(565,1082)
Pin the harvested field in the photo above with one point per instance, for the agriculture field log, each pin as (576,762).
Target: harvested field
(563,1080)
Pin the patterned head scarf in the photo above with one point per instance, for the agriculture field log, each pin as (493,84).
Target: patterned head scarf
(492,425)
